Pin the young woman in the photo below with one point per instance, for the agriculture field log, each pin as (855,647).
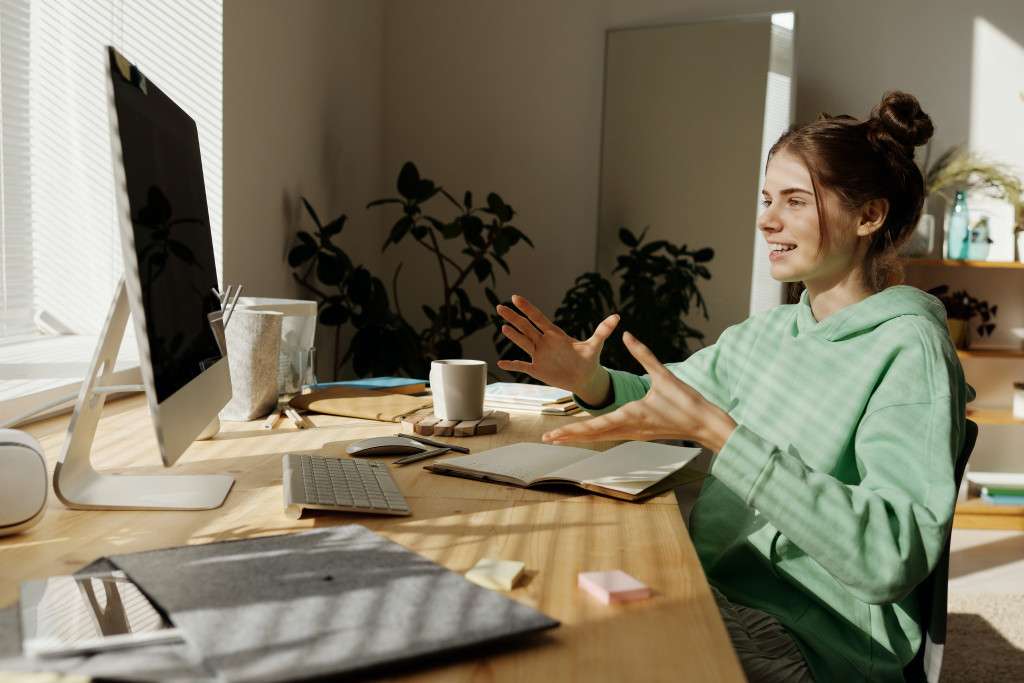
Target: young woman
(836,422)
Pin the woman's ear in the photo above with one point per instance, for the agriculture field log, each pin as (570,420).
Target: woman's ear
(872,216)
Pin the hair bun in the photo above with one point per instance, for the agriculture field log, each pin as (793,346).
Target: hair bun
(899,117)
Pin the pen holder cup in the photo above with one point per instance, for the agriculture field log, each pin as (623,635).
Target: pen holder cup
(253,343)
(296,355)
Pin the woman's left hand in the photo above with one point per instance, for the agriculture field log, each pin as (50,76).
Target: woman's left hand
(671,409)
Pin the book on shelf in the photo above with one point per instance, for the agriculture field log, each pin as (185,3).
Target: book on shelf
(1003,490)
(630,471)
(988,496)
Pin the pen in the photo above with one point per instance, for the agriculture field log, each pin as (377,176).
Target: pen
(438,444)
(299,421)
(272,419)
(231,310)
(421,456)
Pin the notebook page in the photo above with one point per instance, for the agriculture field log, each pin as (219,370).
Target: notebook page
(631,467)
(522,461)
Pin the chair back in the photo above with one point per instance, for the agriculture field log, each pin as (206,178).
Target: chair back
(928,662)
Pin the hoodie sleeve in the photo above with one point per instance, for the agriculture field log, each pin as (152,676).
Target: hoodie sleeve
(710,371)
(881,537)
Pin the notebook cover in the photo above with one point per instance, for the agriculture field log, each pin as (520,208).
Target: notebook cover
(329,601)
(384,407)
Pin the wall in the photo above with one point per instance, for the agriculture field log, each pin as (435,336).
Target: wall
(507,96)
(302,116)
(683,117)
(330,99)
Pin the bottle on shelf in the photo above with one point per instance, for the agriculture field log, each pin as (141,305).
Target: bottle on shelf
(958,233)
(980,241)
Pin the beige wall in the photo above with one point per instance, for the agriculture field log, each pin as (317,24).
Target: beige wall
(508,96)
(490,95)
(302,116)
(683,120)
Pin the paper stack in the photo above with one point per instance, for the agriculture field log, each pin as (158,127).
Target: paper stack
(529,398)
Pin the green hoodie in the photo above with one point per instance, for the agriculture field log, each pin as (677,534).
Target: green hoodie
(832,499)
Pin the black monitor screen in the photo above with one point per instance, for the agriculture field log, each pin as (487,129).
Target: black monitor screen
(171,225)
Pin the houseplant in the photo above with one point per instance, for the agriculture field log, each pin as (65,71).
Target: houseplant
(487,236)
(658,288)
(385,342)
(960,169)
(961,308)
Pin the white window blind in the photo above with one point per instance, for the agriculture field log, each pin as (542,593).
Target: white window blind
(15,167)
(61,248)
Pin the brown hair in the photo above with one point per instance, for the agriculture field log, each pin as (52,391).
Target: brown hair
(863,160)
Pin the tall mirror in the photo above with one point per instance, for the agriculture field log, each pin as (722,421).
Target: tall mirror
(690,111)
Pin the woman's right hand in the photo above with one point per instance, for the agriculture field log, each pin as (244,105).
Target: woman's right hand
(556,359)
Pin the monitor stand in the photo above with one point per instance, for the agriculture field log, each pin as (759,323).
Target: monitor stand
(81,487)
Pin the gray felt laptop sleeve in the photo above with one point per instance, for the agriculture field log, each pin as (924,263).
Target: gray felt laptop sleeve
(317,603)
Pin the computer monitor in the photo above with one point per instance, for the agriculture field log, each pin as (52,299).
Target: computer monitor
(169,278)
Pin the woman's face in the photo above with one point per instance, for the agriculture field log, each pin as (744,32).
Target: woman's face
(790,218)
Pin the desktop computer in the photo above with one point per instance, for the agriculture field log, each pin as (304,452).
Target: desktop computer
(168,283)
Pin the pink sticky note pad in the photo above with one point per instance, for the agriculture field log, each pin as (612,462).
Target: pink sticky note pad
(613,586)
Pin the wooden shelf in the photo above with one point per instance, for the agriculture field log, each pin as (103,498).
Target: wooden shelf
(989,353)
(976,514)
(992,416)
(957,263)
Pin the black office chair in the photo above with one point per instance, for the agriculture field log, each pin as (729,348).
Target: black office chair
(928,662)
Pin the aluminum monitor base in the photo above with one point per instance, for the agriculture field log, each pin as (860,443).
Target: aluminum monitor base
(80,487)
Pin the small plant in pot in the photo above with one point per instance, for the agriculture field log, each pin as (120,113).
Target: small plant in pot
(961,308)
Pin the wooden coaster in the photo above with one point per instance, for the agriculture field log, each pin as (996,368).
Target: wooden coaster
(424,423)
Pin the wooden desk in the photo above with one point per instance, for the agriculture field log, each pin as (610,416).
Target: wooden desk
(676,635)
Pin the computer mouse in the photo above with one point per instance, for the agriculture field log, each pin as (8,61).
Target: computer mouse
(385,445)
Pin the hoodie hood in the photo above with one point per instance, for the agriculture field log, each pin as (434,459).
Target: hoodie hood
(869,313)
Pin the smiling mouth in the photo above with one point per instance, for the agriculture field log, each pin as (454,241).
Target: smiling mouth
(777,254)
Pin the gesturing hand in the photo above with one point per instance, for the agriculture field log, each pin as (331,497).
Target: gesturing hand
(671,409)
(556,358)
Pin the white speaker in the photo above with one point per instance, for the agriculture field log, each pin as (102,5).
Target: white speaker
(23,481)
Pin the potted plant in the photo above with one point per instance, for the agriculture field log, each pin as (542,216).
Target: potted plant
(385,342)
(959,169)
(659,286)
(961,308)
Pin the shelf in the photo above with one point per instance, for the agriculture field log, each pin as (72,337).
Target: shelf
(957,263)
(989,353)
(976,514)
(992,416)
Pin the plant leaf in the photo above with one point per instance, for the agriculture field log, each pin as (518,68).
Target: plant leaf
(333,314)
(329,269)
(398,231)
(359,285)
(704,255)
(467,200)
(408,180)
(627,237)
(482,269)
(335,226)
(300,254)
(380,202)
(312,213)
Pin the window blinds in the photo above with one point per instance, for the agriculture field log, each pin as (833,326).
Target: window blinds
(57,167)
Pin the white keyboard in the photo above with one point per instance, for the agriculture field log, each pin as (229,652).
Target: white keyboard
(320,482)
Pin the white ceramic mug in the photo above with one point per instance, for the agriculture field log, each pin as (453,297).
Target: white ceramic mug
(458,388)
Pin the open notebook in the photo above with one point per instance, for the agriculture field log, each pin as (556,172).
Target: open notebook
(630,471)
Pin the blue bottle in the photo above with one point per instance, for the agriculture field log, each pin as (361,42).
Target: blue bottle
(958,233)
